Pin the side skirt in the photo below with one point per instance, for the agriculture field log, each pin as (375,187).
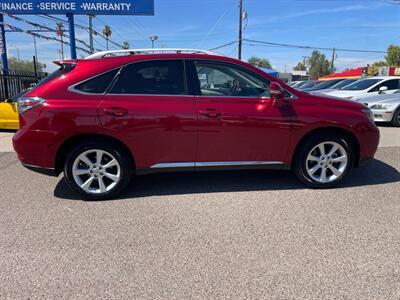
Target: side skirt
(213,166)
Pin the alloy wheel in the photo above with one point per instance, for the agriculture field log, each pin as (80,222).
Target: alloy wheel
(96,171)
(327,162)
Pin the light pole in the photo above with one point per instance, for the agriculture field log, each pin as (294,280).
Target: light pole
(12,45)
(153,38)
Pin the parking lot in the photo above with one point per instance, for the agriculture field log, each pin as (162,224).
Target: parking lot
(225,235)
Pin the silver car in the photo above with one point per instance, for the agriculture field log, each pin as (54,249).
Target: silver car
(385,107)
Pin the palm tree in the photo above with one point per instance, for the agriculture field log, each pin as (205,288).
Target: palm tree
(125,45)
(107,33)
(60,33)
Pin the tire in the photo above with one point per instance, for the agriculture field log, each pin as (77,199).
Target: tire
(309,165)
(396,118)
(98,181)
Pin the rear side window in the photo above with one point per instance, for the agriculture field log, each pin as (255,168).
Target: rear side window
(64,69)
(98,84)
(157,77)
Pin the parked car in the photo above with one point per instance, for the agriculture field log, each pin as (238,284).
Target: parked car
(9,113)
(322,85)
(292,83)
(102,120)
(299,84)
(308,84)
(368,87)
(386,108)
(337,86)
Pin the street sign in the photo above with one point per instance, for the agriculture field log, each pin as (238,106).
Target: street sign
(78,7)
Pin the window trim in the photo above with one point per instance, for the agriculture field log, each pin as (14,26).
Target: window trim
(73,88)
(235,65)
(187,94)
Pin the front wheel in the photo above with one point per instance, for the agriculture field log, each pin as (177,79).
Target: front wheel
(97,171)
(323,161)
(396,118)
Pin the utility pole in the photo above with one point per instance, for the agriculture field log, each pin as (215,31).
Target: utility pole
(91,34)
(60,33)
(34,44)
(240,29)
(333,59)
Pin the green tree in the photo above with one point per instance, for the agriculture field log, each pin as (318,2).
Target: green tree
(259,62)
(107,34)
(318,65)
(125,45)
(301,66)
(24,65)
(393,56)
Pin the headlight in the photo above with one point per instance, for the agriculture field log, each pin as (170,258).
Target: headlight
(369,114)
(381,106)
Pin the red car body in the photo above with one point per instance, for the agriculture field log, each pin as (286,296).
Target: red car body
(187,128)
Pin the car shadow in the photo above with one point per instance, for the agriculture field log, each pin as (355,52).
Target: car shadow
(375,173)
(8,130)
(384,124)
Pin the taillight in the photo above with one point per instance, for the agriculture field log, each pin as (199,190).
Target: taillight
(27,103)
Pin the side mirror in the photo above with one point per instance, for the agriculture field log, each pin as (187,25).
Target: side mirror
(277,94)
(383,89)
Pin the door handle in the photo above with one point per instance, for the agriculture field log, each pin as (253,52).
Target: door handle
(210,113)
(116,111)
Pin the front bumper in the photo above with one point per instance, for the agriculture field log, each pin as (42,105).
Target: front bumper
(382,115)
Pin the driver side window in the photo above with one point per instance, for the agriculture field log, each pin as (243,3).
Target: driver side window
(393,84)
(225,80)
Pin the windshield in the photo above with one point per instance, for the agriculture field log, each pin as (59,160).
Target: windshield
(325,84)
(298,84)
(361,85)
(309,84)
(343,83)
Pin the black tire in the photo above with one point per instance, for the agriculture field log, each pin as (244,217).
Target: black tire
(126,168)
(299,165)
(396,118)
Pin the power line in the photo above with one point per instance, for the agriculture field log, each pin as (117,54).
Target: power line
(223,46)
(217,22)
(48,38)
(81,27)
(264,43)
(19,19)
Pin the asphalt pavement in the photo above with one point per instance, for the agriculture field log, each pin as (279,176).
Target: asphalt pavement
(257,234)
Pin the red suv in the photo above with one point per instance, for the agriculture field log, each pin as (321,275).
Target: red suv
(103,119)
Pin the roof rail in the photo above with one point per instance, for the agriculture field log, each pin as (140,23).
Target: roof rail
(103,54)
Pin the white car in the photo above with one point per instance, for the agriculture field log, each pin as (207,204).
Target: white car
(368,87)
(337,86)
(386,108)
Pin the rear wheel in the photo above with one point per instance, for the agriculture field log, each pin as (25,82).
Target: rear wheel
(396,118)
(323,161)
(98,171)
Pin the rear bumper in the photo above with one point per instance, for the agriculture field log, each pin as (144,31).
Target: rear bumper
(36,148)
(9,125)
(41,170)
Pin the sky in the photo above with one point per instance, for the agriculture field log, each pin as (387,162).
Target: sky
(205,24)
